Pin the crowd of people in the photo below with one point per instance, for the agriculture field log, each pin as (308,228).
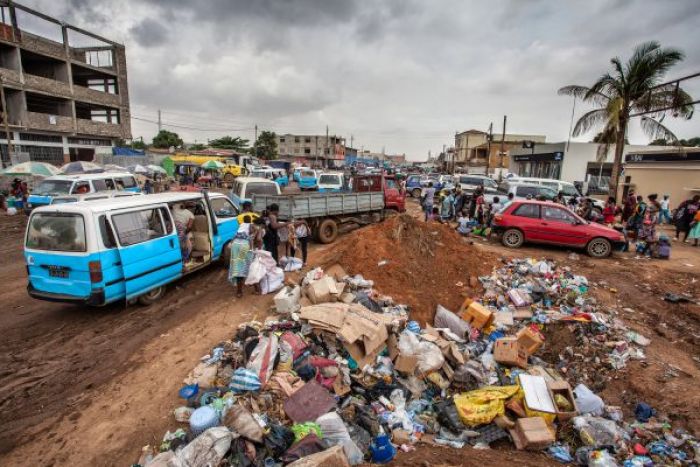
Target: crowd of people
(637,218)
(265,232)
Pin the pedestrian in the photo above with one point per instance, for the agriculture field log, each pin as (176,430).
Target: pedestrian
(496,206)
(148,187)
(427,199)
(473,202)
(272,225)
(694,233)
(447,207)
(184,220)
(559,198)
(683,218)
(629,207)
(459,200)
(481,212)
(508,201)
(241,255)
(609,211)
(301,232)
(653,207)
(665,213)
(463,224)
(640,213)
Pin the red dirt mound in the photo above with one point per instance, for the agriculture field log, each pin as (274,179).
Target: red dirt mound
(417,263)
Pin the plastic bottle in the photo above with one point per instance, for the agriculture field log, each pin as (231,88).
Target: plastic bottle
(381,448)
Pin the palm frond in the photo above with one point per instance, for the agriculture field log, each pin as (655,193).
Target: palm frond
(665,97)
(589,120)
(655,130)
(617,64)
(608,86)
(583,93)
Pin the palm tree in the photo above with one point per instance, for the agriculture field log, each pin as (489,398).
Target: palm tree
(631,88)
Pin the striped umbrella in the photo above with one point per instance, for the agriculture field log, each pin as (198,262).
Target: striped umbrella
(156,169)
(212,165)
(81,167)
(35,169)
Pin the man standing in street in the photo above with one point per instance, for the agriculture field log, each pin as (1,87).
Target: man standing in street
(428,200)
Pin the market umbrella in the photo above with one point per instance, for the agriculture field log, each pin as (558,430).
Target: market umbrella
(212,165)
(138,169)
(156,169)
(81,167)
(36,169)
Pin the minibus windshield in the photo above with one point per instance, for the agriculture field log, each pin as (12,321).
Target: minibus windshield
(56,232)
(329,179)
(53,187)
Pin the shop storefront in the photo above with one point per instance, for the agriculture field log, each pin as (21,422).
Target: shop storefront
(544,165)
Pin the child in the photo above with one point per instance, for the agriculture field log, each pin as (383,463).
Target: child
(694,233)
(463,224)
(301,232)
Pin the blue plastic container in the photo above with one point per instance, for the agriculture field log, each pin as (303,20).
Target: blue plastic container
(382,450)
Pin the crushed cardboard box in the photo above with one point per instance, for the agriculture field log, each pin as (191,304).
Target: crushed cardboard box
(532,433)
(508,352)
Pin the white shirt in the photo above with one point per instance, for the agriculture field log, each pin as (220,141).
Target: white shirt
(665,203)
(183,216)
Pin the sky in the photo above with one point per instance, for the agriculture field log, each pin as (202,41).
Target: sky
(397,75)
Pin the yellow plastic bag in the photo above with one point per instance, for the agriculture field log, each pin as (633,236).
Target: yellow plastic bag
(481,406)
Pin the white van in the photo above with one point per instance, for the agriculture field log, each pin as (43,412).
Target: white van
(100,195)
(61,185)
(567,188)
(245,187)
(333,182)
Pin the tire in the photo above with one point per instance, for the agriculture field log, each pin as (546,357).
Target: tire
(228,178)
(599,248)
(152,296)
(513,238)
(416,193)
(226,255)
(327,231)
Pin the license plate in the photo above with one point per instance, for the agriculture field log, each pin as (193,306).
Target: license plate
(59,273)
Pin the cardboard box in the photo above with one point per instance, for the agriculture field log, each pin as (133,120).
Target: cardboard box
(560,387)
(331,457)
(519,299)
(522,314)
(406,364)
(532,433)
(322,290)
(536,397)
(287,300)
(507,351)
(529,339)
(478,316)
(336,272)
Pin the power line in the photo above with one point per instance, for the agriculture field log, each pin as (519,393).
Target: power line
(187,127)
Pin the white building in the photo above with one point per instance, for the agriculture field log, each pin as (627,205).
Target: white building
(575,162)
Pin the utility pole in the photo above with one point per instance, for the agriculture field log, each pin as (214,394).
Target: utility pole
(352,139)
(503,146)
(488,148)
(160,122)
(255,145)
(10,149)
(328,150)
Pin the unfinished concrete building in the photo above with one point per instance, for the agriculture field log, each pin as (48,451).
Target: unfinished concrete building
(64,100)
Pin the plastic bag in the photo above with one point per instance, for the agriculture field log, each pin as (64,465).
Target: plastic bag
(444,318)
(208,448)
(244,380)
(302,430)
(429,355)
(262,263)
(272,281)
(336,433)
(597,432)
(587,401)
(290,263)
(278,439)
(481,406)
(242,421)
(262,360)
(448,416)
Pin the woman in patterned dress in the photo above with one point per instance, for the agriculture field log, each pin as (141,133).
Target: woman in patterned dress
(241,255)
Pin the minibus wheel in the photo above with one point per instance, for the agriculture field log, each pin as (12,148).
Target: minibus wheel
(152,296)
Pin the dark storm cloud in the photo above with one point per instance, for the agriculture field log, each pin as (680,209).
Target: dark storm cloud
(404,74)
(150,33)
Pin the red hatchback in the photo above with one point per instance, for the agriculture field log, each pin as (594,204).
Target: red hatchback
(546,222)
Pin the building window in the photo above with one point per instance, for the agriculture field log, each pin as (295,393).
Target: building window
(99,58)
(108,85)
(307,150)
(104,115)
(296,139)
(40,138)
(307,139)
(90,141)
(281,140)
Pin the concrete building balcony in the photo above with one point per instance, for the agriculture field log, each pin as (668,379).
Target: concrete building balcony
(42,45)
(82,93)
(9,77)
(92,127)
(47,85)
(47,122)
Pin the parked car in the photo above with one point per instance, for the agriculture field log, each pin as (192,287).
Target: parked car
(520,191)
(414,185)
(245,187)
(546,222)
(470,183)
(560,186)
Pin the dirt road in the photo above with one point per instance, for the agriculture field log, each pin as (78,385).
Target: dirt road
(83,386)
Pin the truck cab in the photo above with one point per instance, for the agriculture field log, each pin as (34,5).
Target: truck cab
(394,196)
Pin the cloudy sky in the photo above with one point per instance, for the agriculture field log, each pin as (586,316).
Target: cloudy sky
(402,75)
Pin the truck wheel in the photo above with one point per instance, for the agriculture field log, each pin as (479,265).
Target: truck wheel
(416,193)
(513,238)
(152,296)
(228,178)
(327,231)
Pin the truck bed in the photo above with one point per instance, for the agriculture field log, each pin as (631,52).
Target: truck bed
(306,206)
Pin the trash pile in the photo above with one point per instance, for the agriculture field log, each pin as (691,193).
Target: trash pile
(342,376)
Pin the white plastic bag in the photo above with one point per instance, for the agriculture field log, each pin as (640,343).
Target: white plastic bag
(272,281)
(444,318)
(209,448)
(429,355)
(290,263)
(262,263)
(587,401)
(336,433)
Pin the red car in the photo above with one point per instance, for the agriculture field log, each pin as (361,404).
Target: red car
(547,222)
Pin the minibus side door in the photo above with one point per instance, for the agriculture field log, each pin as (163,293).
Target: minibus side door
(225,216)
(148,247)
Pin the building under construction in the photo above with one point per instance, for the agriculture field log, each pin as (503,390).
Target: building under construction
(64,91)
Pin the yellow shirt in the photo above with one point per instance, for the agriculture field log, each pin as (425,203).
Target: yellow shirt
(252,215)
